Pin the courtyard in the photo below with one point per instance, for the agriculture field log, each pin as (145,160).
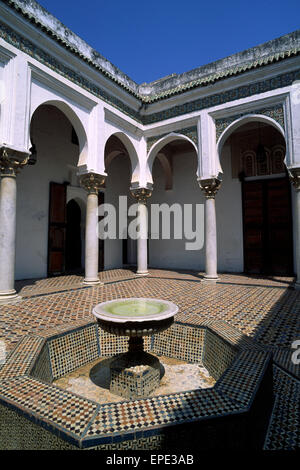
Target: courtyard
(170,211)
(260,310)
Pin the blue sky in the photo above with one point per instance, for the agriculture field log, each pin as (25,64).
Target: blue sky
(149,40)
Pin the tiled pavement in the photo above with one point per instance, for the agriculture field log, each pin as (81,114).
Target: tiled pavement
(266,309)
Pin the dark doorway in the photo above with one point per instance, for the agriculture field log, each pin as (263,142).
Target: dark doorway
(57,229)
(73,237)
(125,251)
(268,236)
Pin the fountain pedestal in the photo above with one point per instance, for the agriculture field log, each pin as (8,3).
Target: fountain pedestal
(133,376)
(136,373)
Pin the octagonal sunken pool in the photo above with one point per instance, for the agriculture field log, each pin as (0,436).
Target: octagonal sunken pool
(42,407)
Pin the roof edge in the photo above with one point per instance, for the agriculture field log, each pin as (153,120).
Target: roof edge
(48,23)
(272,51)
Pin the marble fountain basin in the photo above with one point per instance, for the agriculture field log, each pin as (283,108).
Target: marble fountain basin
(135,317)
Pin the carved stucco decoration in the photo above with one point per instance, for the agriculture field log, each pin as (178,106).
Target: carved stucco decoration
(275,112)
(190,132)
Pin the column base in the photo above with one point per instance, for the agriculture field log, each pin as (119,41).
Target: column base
(207,277)
(142,273)
(9,296)
(92,282)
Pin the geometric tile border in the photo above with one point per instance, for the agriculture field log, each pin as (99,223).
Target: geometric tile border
(283,431)
(70,351)
(181,341)
(235,411)
(283,358)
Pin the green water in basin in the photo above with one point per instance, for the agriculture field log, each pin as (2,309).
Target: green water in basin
(135,308)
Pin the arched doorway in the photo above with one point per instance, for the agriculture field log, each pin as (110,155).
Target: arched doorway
(73,238)
(120,160)
(173,164)
(256,151)
(43,190)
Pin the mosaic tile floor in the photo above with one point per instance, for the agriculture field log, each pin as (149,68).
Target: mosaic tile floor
(92,380)
(265,309)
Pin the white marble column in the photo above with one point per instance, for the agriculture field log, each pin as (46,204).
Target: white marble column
(210,188)
(10,162)
(91,182)
(295,179)
(141,195)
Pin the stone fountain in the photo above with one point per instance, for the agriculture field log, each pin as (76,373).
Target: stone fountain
(136,373)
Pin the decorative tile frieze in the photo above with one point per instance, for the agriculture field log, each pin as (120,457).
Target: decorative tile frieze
(26,46)
(190,132)
(244,91)
(274,112)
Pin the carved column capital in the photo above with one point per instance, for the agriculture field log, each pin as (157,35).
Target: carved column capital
(210,187)
(294,174)
(141,194)
(92,182)
(12,161)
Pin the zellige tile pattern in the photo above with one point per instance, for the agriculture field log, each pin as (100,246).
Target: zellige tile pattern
(254,308)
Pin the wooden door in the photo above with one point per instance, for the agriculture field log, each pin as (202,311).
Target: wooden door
(268,240)
(279,227)
(57,229)
(253,208)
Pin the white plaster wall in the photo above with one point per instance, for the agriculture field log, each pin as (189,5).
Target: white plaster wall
(117,184)
(172,253)
(131,136)
(4,104)
(229,219)
(52,136)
